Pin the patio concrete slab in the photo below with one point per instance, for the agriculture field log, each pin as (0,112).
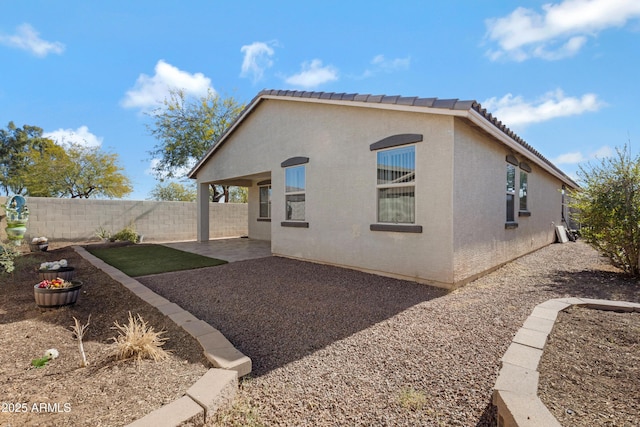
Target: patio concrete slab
(230,250)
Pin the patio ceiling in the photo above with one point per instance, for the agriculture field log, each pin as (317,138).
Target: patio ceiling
(244,180)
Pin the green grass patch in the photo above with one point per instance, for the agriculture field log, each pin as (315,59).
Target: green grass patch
(140,260)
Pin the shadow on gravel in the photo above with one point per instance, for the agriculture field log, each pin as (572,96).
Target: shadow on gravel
(489,416)
(277,310)
(600,284)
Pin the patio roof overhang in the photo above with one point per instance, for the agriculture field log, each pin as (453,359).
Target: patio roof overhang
(242,181)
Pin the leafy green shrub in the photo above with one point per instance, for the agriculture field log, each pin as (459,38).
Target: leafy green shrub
(7,256)
(128,233)
(608,206)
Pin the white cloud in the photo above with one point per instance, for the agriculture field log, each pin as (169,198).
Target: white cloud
(384,64)
(80,136)
(313,74)
(516,111)
(560,31)
(150,91)
(576,157)
(381,64)
(27,38)
(569,158)
(257,58)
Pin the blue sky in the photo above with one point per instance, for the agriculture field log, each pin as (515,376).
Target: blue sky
(562,74)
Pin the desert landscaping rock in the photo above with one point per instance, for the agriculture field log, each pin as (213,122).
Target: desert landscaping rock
(337,347)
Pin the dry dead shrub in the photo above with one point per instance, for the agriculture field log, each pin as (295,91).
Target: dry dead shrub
(137,340)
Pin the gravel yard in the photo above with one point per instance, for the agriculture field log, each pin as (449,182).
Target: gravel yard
(332,346)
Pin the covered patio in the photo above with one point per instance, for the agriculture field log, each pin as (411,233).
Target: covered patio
(230,250)
(259,225)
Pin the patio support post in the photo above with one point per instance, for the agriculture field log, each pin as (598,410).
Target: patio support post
(203,212)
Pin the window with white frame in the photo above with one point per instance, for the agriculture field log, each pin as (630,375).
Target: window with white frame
(396,185)
(511,192)
(265,202)
(295,188)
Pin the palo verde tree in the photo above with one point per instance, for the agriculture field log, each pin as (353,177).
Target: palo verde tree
(186,129)
(40,173)
(16,146)
(90,172)
(179,192)
(32,165)
(238,195)
(608,206)
(173,192)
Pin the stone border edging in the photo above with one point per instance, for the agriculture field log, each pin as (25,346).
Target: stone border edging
(214,388)
(516,389)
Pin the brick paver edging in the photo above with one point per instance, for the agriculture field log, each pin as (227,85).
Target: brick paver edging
(515,393)
(215,388)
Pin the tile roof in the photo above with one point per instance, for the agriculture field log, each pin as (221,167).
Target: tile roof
(450,104)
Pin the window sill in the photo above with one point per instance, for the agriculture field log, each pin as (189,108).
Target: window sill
(399,228)
(297,224)
(264,219)
(510,225)
(524,213)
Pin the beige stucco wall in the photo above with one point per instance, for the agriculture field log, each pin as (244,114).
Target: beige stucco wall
(481,241)
(341,185)
(460,179)
(78,219)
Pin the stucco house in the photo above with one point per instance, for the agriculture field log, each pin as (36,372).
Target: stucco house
(431,190)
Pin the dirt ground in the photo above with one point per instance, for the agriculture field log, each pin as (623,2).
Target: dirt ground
(598,382)
(106,393)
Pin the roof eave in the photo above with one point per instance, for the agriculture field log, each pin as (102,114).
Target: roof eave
(481,121)
(265,95)
(369,104)
(470,110)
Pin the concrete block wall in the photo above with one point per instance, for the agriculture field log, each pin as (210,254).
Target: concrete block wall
(78,219)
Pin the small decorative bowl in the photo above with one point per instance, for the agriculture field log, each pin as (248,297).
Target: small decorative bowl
(39,247)
(66,273)
(52,298)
